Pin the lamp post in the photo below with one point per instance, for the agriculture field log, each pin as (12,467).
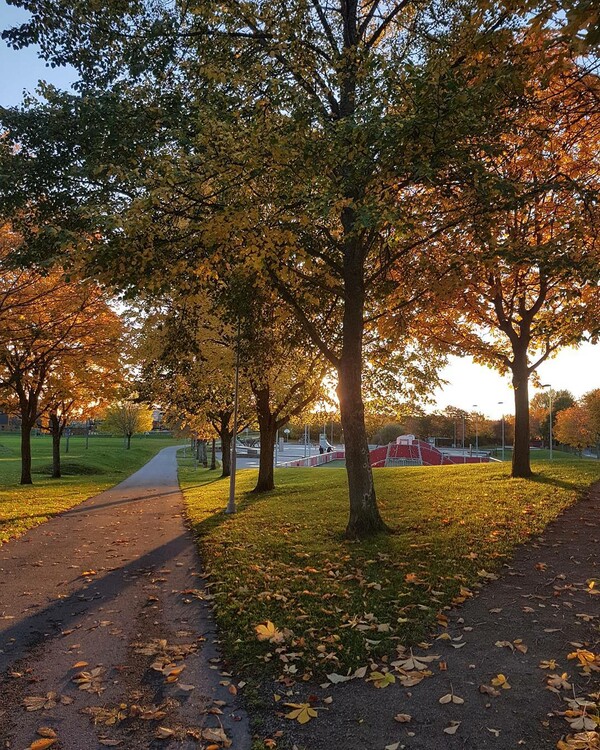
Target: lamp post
(476,432)
(501,403)
(549,387)
(231,502)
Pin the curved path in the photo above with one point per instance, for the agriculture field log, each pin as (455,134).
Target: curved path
(104,583)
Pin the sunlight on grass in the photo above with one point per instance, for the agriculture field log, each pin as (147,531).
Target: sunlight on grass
(103,465)
(283,557)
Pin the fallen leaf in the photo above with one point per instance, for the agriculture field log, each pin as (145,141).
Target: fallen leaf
(302,712)
(381,679)
(43,744)
(162,733)
(501,681)
(403,718)
(47,732)
(451,729)
(451,698)
(268,632)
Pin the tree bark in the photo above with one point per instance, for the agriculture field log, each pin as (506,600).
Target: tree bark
(364,519)
(225,436)
(267,425)
(56,433)
(26,428)
(213,457)
(128,441)
(521,466)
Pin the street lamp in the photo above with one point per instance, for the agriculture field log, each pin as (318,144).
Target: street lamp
(549,387)
(231,502)
(476,432)
(501,403)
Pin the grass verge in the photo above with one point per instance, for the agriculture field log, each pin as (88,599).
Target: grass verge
(87,472)
(282,558)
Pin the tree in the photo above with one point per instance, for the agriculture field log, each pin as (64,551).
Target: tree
(303,138)
(127,418)
(187,360)
(540,404)
(527,282)
(52,332)
(573,428)
(81,390)
(591,403)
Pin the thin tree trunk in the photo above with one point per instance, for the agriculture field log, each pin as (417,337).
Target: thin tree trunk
(521,466)
(267,425)
(204,453)
(225,436)
(128,442)
(26,428)
(55,431)
(213,458)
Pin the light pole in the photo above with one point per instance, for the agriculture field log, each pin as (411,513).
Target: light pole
(549,387)
(231,503)
(501,403)
(476,432)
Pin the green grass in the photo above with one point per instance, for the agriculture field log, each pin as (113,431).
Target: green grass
(103,465)
(283,558)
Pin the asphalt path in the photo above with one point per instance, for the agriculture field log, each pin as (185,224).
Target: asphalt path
(114,583)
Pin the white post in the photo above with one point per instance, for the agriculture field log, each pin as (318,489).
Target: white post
(550,394)
(501,403)
(231,503)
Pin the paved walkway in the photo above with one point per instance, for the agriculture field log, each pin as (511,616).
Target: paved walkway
(115,583)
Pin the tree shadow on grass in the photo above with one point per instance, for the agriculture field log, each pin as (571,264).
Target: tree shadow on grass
(554,482)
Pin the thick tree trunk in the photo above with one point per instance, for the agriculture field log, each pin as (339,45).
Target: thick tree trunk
(26,428)
(55,431)
(225,436)
(364,520)
(213,457)
(521,466)
(204,454)
(267,425)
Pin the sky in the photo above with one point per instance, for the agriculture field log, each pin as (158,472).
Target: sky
(468,384)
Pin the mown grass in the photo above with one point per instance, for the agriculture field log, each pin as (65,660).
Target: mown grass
(283,558)
(103,465)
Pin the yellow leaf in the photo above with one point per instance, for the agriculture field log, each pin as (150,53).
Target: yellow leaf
(501,681)
(268,632)
(302,713)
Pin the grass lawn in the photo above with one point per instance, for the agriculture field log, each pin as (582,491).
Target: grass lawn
(103,465)
(282,557)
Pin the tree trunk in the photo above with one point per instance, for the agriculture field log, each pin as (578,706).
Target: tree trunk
(213,458)
(267,425)
(204,453)
(225,436)
(521,466)
(26,428)
(364,520)
(55,431)
(128,441)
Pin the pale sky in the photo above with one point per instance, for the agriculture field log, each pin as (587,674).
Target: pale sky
(577,370)
(468,384)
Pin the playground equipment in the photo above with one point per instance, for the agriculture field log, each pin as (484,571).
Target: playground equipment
(324,445)
(409,451)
